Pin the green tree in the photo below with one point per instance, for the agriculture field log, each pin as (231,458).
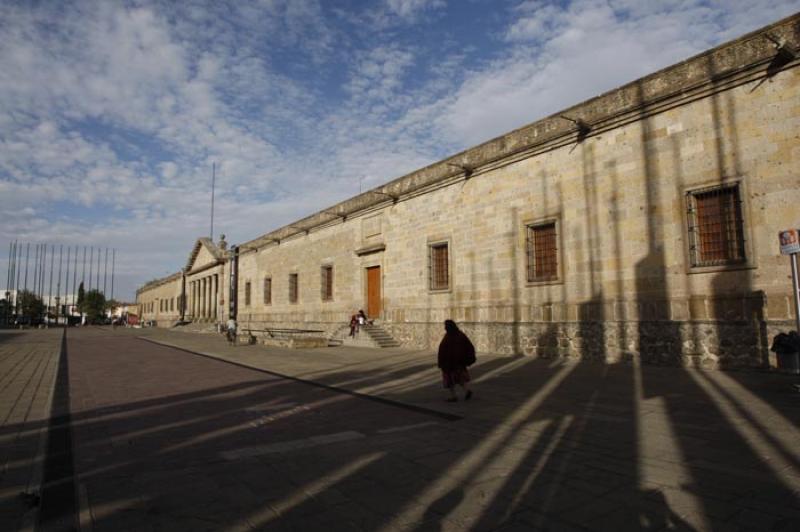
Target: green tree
(94,306)
(81,297)
(5,311)
(30,305)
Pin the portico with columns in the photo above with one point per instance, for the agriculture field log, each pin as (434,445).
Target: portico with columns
(204,288)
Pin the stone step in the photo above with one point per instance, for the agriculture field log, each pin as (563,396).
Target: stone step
(368,336)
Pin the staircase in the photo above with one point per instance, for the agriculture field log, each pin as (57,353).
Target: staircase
(368,336)
(379,336)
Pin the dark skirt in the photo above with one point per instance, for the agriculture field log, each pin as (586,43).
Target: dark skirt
(456,376)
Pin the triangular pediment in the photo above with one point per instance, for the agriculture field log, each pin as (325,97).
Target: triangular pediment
(204,253)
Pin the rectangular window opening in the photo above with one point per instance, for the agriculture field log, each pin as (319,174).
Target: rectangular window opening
(439,266)
(326,283)
(541,249)
(716,226)
(293,288)
(247,294)
(267,290)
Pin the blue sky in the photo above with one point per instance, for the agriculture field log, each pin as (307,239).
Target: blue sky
(112,113)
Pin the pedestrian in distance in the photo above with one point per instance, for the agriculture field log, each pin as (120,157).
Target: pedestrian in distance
(353,325)
(231,331)
(456,353)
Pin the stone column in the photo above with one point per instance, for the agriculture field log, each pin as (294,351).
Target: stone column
(193,300)
(203,297)
(215,299)
(206,293)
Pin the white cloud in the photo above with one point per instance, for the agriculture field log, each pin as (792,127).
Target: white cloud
(111,116)
(410,8)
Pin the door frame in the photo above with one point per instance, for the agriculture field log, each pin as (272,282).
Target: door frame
(366,268)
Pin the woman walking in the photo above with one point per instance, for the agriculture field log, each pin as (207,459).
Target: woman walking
(456,352)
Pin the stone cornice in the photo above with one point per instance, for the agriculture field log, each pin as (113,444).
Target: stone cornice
(737,61)
(159,282)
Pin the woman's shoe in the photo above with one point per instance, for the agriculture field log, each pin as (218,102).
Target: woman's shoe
(468,396)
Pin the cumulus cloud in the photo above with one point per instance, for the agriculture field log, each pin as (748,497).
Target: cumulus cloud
(112,113)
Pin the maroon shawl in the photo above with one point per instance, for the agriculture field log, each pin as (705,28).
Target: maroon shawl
(453,351)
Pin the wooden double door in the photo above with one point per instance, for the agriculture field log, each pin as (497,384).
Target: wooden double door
(374,305)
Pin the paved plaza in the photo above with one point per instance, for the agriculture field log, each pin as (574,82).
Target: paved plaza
(156,429)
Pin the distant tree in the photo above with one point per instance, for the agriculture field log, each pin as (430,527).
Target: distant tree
(81,297)
(5,311)
(30,305)
(94,306)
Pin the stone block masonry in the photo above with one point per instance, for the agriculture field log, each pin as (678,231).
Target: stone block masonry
(653,236)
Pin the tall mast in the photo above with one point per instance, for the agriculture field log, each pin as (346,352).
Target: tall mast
(213,183)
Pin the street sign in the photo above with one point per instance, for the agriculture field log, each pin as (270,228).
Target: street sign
(790,241)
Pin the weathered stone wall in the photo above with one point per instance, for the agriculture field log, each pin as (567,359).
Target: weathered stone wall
(149,299)
(626,288)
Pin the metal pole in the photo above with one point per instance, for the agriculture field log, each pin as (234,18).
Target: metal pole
(58,291)
(113,263)
(83,268)
(18,275)
(105,272)
(91,266)
(213,183)
(42,275)
(66,285)
(796,291)
(50,290)
(75,278)
(8,283)
(35,278)
(8,274)
(35,273)
(27,261)
(97,286)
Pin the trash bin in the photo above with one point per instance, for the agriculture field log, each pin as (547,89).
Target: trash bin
(787,348)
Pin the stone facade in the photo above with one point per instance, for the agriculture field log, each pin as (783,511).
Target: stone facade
(620,191)
(159,301)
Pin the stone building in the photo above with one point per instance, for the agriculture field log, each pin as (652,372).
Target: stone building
(640,224)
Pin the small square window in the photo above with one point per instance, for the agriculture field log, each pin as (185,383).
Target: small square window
(716,226)
(293,288)
(541,250)
(247,294)
(267,290)
(439,266)
(326,283)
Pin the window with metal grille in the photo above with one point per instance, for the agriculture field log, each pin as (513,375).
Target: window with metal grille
(267,290)
(716,228)
(247,294)
(439,266)
(293,288)
(326,283)
(541,249)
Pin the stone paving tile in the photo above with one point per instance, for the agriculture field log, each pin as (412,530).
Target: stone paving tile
(28,362)
(585,454)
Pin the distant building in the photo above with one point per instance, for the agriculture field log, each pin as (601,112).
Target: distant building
(640,224)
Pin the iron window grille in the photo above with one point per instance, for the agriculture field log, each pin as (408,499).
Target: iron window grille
(541,249)
(293,288)
(716,226)
(439,266)
(326,283)
(247,294)
(267,290)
